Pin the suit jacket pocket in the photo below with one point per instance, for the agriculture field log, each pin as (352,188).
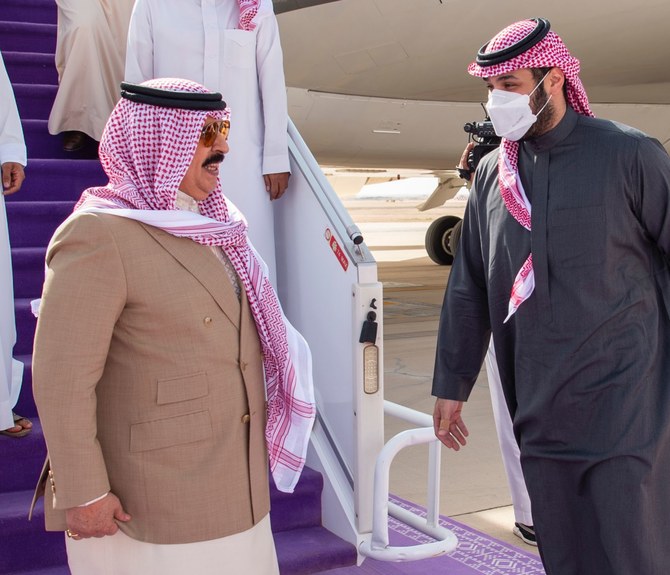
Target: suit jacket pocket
(178,389)
(170,431)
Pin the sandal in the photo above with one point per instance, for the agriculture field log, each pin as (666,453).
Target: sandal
(23,431)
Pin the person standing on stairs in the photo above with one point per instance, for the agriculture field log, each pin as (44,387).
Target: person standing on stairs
(12,158)
(164,370)
(90,54)
(232,47)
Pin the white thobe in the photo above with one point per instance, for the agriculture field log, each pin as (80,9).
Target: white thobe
(12,149)
(251,551)
(509,448)
(90,54)
(198,40)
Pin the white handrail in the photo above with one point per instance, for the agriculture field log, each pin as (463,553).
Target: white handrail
(318,181)
(338,285)
(377,546)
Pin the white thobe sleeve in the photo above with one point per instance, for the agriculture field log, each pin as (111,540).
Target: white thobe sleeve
(272,91)
(12,144)
(140,48)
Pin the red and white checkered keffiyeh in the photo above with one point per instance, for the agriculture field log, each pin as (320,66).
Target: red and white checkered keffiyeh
(549,52)
(145,151)
(248,11)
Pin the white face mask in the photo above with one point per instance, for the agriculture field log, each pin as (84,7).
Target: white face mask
(510,112)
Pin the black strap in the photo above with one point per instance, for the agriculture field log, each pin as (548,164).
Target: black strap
(464,173)
(538,34)
(172,99)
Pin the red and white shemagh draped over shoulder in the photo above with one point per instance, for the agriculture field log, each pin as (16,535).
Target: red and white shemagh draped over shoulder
(548,52)
(145,151)
(248,11)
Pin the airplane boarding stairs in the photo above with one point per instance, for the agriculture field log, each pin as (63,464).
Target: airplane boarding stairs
(327,281)
(53,183)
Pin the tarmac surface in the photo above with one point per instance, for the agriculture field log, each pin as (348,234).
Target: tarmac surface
(473,482)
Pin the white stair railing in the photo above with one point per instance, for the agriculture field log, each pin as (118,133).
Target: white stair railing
(328,286)
(377,546)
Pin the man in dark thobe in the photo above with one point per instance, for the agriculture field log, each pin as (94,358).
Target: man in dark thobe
(576,295)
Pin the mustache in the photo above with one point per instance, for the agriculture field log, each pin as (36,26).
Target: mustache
(215,158)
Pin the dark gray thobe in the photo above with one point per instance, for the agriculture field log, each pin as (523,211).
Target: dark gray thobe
(584,362)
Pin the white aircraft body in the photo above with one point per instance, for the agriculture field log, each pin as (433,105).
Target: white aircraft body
(379,85)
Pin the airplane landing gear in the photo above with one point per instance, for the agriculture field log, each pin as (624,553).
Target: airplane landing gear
(442,238)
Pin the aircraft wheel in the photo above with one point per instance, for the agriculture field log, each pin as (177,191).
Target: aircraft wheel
(438,240)
(455,237)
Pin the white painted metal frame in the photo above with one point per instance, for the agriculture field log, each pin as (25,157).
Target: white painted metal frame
(377,546)
(328,303)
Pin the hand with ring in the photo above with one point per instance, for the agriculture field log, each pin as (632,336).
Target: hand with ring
(97,519)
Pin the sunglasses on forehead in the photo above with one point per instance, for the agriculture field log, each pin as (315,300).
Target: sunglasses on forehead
(210,131)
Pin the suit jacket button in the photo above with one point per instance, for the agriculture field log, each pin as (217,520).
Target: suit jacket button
(207,320)
(246,418)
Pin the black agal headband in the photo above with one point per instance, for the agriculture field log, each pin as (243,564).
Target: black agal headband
(539,32)
(171,99)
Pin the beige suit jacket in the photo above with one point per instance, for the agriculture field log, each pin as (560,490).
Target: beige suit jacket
(147,374)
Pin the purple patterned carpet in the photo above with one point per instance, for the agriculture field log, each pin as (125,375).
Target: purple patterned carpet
(476,554)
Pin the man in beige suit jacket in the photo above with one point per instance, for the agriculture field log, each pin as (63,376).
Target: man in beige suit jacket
(148,366)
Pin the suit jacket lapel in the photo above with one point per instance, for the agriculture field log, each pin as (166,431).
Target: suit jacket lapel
(204,266)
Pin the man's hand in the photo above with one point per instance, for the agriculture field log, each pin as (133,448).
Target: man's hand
(464,171)
(276,184)
(97,519)
(448,424)
(463,163)
(12,177)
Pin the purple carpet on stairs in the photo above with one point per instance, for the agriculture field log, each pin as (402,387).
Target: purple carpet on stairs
(54,181)
(476,554)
